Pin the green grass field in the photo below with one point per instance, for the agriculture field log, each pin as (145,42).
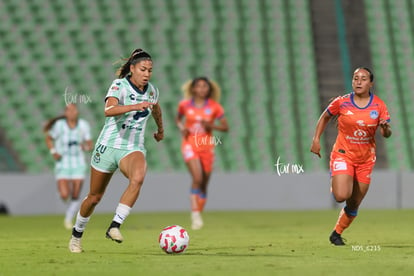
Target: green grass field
(231,243)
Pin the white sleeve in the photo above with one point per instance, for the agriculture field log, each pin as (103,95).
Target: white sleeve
(53,131)
(86,131)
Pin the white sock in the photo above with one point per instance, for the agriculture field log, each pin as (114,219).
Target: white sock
(71,211)
(81,222)
(121,213)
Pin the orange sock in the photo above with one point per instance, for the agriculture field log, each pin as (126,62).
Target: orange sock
(344,220)
(201,202)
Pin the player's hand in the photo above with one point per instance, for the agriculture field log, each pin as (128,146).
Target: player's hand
(142,106)
(57,156)
(384,124)
(316,148)
(184,132)
(207,126)
(159,135)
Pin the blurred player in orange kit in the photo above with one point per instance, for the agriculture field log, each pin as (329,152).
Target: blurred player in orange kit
(352,160)
(201,109)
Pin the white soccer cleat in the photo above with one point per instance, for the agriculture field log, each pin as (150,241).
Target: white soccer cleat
(196,221)
(68,224)
(114,234)
(75,245)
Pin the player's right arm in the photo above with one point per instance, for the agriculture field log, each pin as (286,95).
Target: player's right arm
(112,108)
(320,127)
(179,122)
(51,147)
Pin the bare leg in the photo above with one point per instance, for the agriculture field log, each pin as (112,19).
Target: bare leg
(63,188)
(99,181)
(134,167)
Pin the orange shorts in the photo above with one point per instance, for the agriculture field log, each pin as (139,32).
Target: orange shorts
(206,156)
(360,172)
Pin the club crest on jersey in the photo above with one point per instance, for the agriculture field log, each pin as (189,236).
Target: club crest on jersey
(373,114)
(151,97)
(207,111)
(97,158)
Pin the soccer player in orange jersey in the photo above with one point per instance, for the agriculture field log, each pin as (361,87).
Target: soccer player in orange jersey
(352,160)
(201,110)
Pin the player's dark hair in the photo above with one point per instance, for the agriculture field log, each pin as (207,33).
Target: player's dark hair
(136,56)
(197,79)
(49,124)
(371,75)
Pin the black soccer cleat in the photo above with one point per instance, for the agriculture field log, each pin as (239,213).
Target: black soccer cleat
(336,239)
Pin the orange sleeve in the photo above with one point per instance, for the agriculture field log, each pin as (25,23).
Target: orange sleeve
(219,112)
(384,115)
(181,108)
(333,107)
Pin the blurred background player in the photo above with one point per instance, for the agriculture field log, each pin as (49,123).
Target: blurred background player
(353,155)
(67,136)
(130,100)
(201,109)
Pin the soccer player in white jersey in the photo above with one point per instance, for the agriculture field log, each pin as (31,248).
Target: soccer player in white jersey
(130,100)
(67,137)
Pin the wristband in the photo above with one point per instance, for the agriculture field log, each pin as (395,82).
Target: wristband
(53,151)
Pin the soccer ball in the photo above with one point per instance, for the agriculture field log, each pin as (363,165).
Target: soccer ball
(174,239)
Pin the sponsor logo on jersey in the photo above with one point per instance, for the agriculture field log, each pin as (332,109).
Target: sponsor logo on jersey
(116,88)
(373,114)
(360,133)
(349,112)
(72,143)
(141,114)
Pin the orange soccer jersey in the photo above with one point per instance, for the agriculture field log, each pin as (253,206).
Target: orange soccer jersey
(356,127)
(199,144)
(194,116)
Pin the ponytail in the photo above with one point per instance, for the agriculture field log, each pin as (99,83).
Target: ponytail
(51,122)
(136,56)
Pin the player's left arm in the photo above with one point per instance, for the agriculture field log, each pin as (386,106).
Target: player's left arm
(157,115)
(221,126)
(384,121)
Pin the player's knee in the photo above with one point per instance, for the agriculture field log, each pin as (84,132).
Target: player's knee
(136,181)
(64,196)
(95,199)
(198,180)
(341,196)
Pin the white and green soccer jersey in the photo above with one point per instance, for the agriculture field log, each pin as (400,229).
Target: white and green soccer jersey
(127,131)
(67,142)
